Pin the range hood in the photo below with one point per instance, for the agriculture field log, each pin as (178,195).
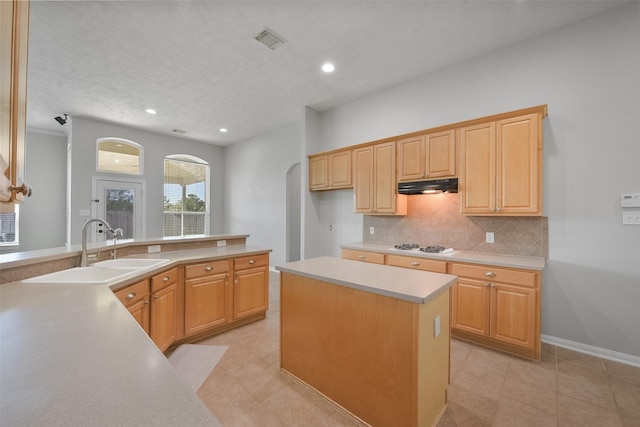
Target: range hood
(425,187)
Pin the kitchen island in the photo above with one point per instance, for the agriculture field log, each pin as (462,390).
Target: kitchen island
(374,339)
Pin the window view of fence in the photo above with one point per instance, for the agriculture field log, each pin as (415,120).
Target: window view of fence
(120,210)
(185,205)
(9,228)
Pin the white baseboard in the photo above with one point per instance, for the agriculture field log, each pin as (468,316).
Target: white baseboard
(602,353)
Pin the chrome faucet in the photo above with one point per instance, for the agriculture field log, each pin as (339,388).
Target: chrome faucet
(117,232)
(83,254)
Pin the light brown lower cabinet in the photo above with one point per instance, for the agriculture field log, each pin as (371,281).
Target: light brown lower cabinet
(136,299)
(250,286)
(207,296)
(164,307)
(365,256)
(193,301)
(497,307)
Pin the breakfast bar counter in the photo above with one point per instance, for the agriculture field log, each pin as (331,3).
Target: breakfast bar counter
(372,338)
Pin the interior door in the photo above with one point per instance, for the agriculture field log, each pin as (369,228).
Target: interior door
(120,203)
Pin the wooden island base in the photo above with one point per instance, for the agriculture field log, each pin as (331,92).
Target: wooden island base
(375,356)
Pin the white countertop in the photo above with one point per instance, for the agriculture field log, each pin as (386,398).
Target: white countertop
(73,355)
(402,283)
(499,260)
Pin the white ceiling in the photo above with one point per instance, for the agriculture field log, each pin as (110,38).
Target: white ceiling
(198,65)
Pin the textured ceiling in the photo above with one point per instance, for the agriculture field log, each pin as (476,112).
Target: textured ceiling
(198,65)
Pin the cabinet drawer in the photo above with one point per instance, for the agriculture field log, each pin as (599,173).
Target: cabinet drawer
(251,262)
(417,263)
(206,269)
(488,273)
(134,293)
(163,280)
(365,256)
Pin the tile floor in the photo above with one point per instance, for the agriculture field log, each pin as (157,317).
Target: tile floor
(487,388)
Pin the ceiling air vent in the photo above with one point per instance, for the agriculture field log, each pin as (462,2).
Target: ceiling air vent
(270,39)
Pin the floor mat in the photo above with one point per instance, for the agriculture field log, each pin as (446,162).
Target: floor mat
(194,362)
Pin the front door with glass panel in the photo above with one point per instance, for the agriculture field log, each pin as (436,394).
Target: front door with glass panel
(120,203)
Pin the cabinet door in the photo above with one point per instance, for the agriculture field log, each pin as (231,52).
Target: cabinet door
(470,306)
(440,150)
(411,158)
(163,316)
(340,170)
(478,169)
(140,312)
(513,315)
(205,302)
(384,168)
(250,292)
(318,173)
(372,257)
(519,158)
(14,40)
(363,179)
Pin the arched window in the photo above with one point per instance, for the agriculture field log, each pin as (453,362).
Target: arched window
(186,201)
(120,156)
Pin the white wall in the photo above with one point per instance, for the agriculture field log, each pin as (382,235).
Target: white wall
(587,73)
(256,187)
(42,216)
(83,137)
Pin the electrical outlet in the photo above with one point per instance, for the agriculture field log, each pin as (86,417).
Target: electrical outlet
(221,243)
(631,217)
(490,237)
(153,249)
(372,230)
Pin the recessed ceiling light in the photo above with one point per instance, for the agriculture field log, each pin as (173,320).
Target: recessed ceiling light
(150,111)
(223,130)
(328,67)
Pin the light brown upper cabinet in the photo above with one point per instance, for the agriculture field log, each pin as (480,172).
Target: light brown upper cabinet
(428,156)
(501,166)
(375,184)
(330,171)
(14,41)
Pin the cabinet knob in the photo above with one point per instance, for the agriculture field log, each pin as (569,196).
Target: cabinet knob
(146,302)
(493,286)
(156,297)
(131,295)
(208,268)
(24,189)
(165,279)
(486,285)
(415,263)
(251,261)
(361,256)
(227,275)
(490,274)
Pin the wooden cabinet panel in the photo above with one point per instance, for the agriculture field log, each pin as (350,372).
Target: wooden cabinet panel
(206,302)
(14,43)
(478,169)
(340,170)
(164,279)
(470,306)
(250,292)
(206,269)
(164,316)
(411,158)
(330,171)
(140,312)
(318,172)
(417,263)
(501,167)
(513,315)
(136,299)
(440,150)
(498,307)
(372,257)
(519,159)
(363,179)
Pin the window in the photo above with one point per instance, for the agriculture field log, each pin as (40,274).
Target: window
(120,156)
(9,228)
(186,205)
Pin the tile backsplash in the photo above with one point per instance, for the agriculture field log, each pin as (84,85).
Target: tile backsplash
(435,219)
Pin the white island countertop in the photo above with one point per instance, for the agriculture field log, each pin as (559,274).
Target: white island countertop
(401,283)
